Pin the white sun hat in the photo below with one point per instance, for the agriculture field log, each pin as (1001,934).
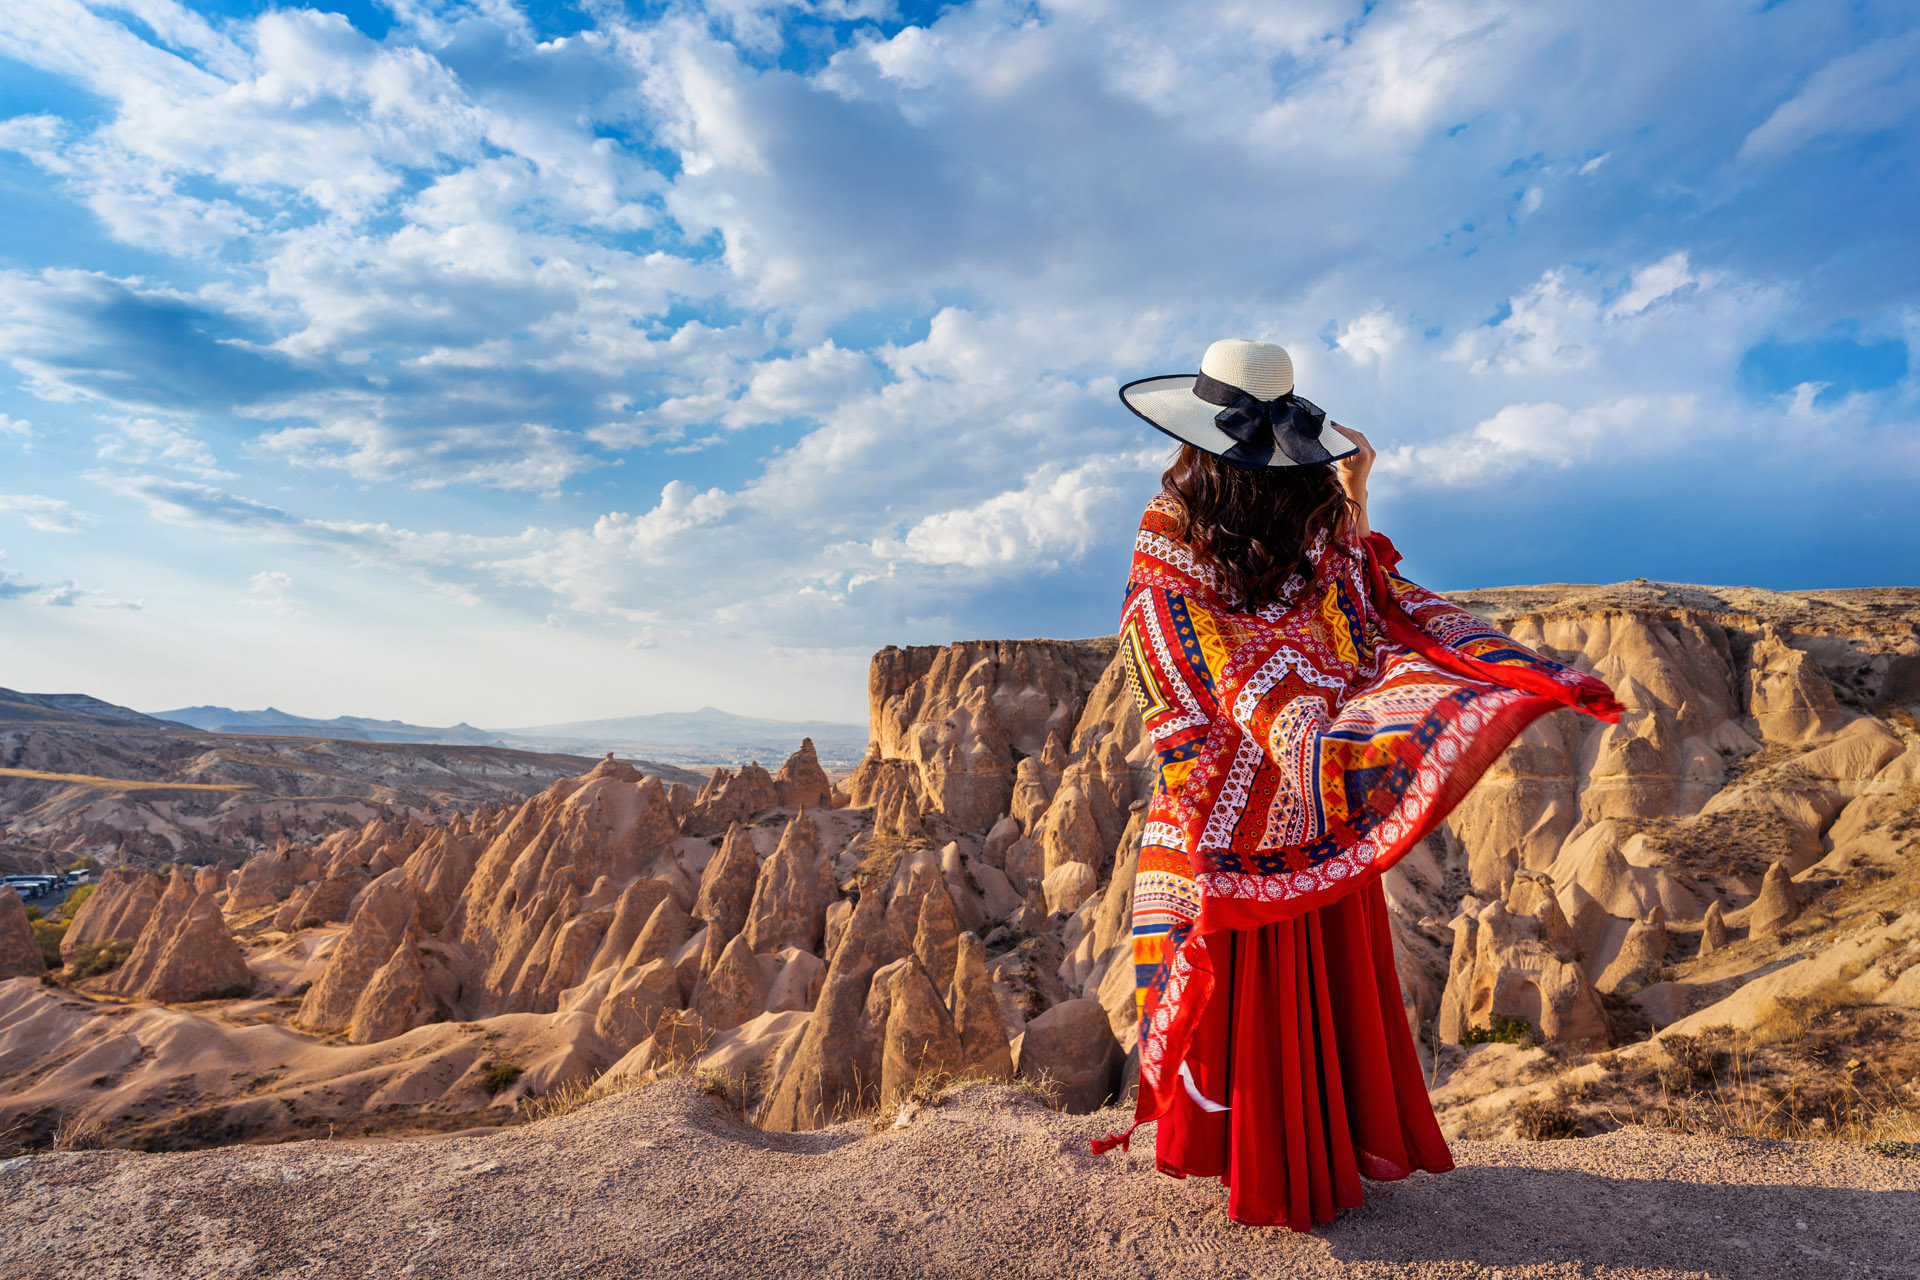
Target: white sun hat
(1240,406)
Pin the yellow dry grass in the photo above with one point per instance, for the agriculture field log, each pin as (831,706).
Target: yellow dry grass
(122,784)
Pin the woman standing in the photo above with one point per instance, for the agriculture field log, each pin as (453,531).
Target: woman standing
(1315,716)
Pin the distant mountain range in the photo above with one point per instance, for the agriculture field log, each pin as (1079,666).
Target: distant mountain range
(352,728)
(67,708)
(708,736)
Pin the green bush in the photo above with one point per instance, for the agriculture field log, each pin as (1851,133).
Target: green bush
(48,934)
(91,959)
(238,991)
(71,906)
(1502,1031)
(495,1076)
(85,862)
(307,922)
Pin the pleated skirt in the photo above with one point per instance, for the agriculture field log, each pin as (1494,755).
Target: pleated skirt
(1302,1078)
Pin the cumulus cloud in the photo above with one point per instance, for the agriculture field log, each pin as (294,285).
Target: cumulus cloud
(803,322)
(1055,516)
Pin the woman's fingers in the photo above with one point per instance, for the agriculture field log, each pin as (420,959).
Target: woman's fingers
(1365,445)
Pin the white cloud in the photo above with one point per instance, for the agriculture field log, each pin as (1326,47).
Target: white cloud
(697,342)
(1653,283)
(1866,90)
(1054,517)
(15,427)
(272,590)
(1372,336)
(143,441)
(49,515)
(1523,436)
(1561,325)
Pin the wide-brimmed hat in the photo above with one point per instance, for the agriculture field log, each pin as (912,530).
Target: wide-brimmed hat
(1240,406)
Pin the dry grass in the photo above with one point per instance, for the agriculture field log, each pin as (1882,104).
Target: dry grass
(79,1133)
(98,783)
(1731,843)
(575,1094)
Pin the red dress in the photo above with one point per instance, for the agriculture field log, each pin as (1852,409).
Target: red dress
(1305,1045)
(1304,747)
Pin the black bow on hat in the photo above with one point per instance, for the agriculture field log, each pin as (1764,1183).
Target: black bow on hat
(1290,423)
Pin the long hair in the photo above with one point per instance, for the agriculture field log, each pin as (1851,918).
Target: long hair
(1254,527)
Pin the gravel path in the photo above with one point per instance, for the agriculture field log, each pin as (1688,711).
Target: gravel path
(665,1182)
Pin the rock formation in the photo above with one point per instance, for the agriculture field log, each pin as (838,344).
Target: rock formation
(976,1014)
(794,889)
(801,783)
(1072,1046)
(1777,906)
(20,955)
(381,927)
(184,951)
(962,904)
(118,908)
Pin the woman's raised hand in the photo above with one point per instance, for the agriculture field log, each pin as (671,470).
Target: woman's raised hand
(1352,471)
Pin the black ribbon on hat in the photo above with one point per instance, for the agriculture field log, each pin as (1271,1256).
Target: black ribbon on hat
(1291,424)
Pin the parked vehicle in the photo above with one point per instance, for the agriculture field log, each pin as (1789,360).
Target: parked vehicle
(35,886)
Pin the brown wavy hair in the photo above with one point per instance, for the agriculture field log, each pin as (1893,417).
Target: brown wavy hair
(1254,526)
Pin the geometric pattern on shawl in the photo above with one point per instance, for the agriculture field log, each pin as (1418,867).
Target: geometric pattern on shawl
(1303,747)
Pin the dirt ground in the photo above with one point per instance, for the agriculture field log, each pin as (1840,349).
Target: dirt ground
(665,1181)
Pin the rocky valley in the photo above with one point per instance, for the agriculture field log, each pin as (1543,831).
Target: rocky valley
(82,777)
(1700,919)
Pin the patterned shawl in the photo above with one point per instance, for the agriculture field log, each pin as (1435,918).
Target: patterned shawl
(1303,748)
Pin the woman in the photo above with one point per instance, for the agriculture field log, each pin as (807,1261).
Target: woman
(1315,716)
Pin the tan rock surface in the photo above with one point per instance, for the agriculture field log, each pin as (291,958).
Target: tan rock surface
(917,1035)
(732,797)
(734,989)
(794,887)
(1072,1045)
(184,952)
(118,907)
(976,1014)
(800,782)
(20,955)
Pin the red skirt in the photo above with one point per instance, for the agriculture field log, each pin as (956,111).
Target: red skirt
(1305,1071)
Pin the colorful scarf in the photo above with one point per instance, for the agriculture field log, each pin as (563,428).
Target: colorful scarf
(1304,747)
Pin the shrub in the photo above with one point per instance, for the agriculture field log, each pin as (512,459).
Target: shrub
(238,991)
(307,922)
(91,959)
(1500,1031)
(1538,1120)
(48,934)
(300,990)
(72,905)
(497,1076)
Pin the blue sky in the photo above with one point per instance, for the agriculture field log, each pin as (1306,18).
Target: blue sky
(528,363)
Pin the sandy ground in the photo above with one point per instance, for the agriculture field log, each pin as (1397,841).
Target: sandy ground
(666,1182)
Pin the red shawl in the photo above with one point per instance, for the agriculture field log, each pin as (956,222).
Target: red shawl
(1303,747)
